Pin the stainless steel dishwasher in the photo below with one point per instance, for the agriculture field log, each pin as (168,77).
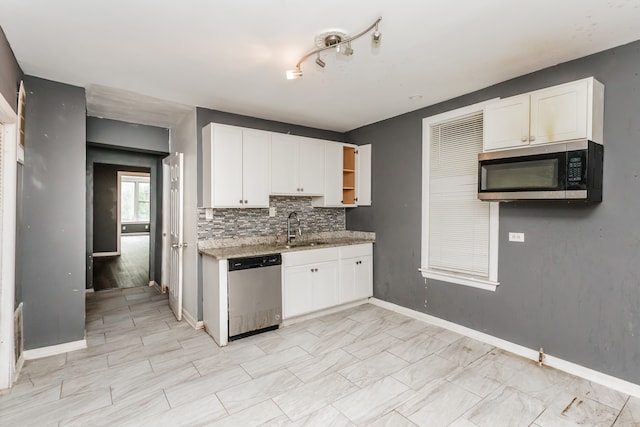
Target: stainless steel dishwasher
(255,295)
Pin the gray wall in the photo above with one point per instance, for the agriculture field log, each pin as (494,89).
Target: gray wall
(121,158)
(10,73)
(54,204)
(573,287)
(130,136)
(105,205)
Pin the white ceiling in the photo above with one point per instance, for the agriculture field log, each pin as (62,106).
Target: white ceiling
(231,55)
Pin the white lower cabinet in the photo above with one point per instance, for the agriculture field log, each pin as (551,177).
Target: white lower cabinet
(356,273)
(316,279)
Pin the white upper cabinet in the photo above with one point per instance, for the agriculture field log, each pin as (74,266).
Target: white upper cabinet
(297,165)
(560,113)
(506,123)
(347,176)
(235,167)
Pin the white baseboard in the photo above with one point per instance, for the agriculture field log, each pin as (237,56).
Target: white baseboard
(52,350)
(552,361)
(293,320)
(191,320)
(155,285)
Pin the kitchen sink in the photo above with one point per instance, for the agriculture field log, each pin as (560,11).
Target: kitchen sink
(305,244)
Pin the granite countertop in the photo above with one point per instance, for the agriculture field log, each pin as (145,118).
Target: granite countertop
(264,245)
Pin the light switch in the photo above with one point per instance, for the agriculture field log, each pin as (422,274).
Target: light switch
(516,237)
(272,211)
(208,214)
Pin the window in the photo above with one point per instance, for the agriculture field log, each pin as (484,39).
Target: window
(135,197)
(459,232)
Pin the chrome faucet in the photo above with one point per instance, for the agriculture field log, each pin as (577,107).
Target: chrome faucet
(292,234)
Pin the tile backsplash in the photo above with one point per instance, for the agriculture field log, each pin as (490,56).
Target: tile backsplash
(230,223)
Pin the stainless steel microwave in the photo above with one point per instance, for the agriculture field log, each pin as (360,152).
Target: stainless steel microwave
(570,171)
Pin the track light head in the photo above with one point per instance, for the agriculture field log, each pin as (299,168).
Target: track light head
(296,73)
(320,62)
(376,36)
(345,49)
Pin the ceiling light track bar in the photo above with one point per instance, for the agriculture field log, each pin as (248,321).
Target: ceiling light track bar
(297,72)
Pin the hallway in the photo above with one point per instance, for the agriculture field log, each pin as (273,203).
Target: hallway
(130,269)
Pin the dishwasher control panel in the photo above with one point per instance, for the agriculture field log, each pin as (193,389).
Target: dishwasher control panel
(236,264)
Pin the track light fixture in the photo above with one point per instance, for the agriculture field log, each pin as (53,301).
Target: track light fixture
(338,41)
(376,36)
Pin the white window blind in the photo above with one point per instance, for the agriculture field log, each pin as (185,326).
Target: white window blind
(458,221)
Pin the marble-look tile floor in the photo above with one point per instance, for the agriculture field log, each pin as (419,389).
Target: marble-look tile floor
(361,366)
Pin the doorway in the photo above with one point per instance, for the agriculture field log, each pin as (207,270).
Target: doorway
(122,223)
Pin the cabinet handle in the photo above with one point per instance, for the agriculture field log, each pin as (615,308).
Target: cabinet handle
(246,202)
(240,201)
(523,139)
(532,138)
(302,189)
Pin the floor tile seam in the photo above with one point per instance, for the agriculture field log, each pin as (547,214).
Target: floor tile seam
(448,380)
(273,399)
(358,387)
(461,365)
(280,368)
(620,412)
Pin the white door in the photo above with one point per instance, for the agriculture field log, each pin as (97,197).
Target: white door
(227,167)
(559,113)
(297,291)
(255,168)
(324,279)
(506,123)
(333,174)
(363,176)
(312,166)
(176,221)
(284,164)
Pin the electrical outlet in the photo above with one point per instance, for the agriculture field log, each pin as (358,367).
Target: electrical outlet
(516,237)
(272,212)
(208,214)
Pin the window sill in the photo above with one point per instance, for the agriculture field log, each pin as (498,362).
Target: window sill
(460,279)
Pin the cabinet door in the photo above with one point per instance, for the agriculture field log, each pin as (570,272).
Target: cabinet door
(559,113)
(364,277)
(311,166)
(255,168)
(356,278)
(284,164)
(348,280)
(325,285)
(506,123)
(333,174)
(297,296)
(227,166)
(363,176)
